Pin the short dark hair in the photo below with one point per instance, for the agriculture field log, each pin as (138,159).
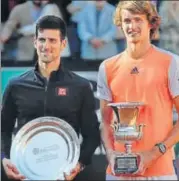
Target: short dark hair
(51,22)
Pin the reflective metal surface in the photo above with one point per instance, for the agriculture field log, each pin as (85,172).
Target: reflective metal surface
(126,131)
(45,148)
(126,104)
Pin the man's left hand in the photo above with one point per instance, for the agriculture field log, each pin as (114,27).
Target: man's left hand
(147,158)
(73,173)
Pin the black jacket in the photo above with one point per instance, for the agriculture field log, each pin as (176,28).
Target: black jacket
(66,96)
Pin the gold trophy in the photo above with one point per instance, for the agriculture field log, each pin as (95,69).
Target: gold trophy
(126,131)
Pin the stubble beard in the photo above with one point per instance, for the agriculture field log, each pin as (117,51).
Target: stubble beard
(46,60)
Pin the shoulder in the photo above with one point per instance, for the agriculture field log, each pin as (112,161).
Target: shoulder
(111,62)
(78,80)
(173,56)
(16,81)
(50,6)
(167,55)
(22,77)
(20,7)
(25,5)
(51,9)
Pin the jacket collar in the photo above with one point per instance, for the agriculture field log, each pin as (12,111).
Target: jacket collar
(55,75)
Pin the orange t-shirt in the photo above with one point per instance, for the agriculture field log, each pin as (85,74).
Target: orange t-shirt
(154,80)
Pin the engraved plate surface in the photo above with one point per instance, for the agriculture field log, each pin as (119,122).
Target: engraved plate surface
(125,164)
(45,148)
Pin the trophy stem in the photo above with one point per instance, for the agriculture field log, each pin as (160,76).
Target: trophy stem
(128,147)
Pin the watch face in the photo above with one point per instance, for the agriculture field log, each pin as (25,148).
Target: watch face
(162,148)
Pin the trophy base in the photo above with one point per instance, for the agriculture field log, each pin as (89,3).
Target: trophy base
(125,164)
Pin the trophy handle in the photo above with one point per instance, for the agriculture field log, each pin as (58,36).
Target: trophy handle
(115,125)
(140,130)
(115,109)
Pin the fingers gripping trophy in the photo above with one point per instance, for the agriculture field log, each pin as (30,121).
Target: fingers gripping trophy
(126,131)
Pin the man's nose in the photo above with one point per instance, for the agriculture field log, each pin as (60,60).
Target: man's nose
(46,45)
(132,25)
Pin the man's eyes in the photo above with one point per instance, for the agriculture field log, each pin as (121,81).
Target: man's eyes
(53,40)
(127,21)
(138,19)
(50,40)
(41,39)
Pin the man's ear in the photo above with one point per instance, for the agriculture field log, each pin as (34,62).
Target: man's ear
(64,43)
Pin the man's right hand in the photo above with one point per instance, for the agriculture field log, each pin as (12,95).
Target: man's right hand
(11,170)
(111,159)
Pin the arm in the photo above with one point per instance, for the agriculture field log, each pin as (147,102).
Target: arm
(11,24)
(74,7)
(89,127)
(27,30)
(8,116)
(173,137)
(49,9)
(173,79)
(105,96)
(110,35)
(83,32)
(106,129)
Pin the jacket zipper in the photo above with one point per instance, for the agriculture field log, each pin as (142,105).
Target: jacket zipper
(45,97)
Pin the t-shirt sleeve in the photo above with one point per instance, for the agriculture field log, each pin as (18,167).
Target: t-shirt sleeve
(103,90)
(173,76)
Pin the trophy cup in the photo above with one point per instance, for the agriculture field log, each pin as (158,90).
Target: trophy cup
(45,148)
(126,132)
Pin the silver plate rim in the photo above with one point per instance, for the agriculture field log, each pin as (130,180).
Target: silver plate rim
(21,136)
(127,104)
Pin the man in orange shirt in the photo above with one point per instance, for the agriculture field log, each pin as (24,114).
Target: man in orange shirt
(142,73)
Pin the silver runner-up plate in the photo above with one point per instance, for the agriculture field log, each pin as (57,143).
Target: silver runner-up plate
(45,149)
(126,104)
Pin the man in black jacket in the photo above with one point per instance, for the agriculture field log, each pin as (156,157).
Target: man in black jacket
(49,90)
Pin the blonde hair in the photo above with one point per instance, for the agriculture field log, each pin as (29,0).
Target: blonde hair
(139,7)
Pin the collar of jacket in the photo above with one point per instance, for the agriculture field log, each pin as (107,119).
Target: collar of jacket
(54,76)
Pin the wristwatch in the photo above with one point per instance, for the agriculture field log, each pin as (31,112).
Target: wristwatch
(162,147)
